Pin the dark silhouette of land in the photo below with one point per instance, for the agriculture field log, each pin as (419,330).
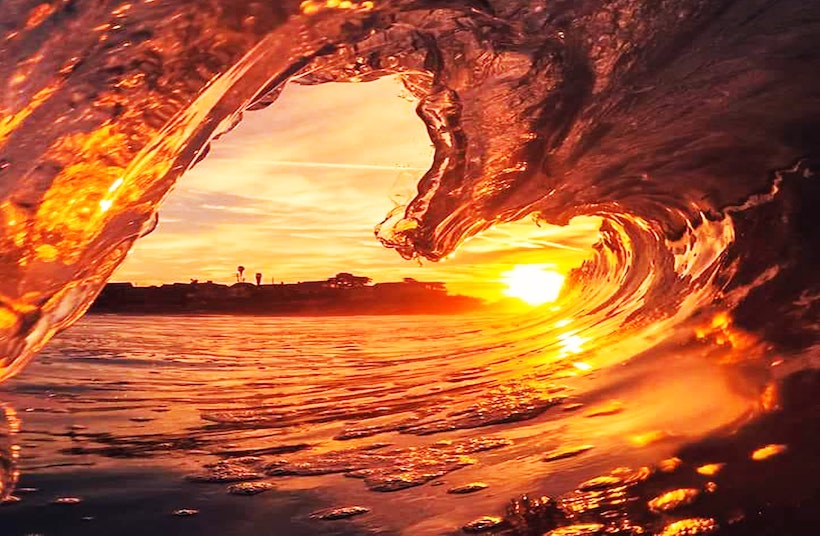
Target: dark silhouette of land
(343,294)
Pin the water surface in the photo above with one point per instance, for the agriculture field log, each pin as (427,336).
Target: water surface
(132,414)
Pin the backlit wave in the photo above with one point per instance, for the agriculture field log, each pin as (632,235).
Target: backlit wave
(689,128)
(667,120)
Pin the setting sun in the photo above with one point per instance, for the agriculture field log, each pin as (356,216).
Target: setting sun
(533,283)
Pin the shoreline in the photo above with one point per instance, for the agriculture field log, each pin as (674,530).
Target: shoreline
(335,297)
(296,314)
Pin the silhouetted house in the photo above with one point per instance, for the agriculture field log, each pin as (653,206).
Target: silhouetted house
(305,288)
(175,291)
(346,280)
(207,291)
(435,286)
(242,290)
(409,287)
(114,293)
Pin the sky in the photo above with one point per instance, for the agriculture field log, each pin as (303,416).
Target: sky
(295,191)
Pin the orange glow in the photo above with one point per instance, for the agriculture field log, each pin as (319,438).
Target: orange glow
(673,499)
(767,452)
(695,525)
(533,284)
(669,465)
(720,330)
(68,215)
(571,343)
(651,437)
(770,398)
(312,7)
(609,408)
(39,14)
(710,469)
(11,121)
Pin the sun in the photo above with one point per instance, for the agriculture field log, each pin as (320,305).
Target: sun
(533,283)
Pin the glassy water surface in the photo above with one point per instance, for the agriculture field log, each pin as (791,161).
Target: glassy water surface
(428,423)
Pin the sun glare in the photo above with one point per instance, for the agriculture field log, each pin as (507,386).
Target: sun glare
(532,283)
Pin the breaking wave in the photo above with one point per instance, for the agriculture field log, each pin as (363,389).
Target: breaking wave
(690,127)
(664,118)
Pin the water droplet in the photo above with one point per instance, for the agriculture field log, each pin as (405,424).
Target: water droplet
(340,513)
(225,472)
(710,469)
(472,487)
(690,527)
(600,483)
(610,408)
(669,465)
(580,529)
(482,524)
(768,451)
(67,500)
(566,452)
(673,499)
(250,488)
(651,437)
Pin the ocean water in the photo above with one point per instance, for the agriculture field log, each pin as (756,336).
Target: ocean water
(690,128)
(139,417)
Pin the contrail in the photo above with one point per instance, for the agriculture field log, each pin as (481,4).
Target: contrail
(558,245)
(333,165)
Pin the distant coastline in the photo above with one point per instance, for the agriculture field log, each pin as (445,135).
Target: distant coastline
(341,295)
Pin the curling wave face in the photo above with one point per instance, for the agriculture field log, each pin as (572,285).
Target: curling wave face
(666,119)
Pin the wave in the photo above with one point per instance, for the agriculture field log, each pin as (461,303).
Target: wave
(666,119)
(690,128)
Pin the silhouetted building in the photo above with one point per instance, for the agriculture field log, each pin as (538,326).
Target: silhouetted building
(346,280)
(242,290)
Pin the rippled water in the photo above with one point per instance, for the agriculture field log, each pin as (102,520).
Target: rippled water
(430,423)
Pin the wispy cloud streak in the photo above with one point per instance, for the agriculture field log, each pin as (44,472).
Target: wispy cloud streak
(330,165)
